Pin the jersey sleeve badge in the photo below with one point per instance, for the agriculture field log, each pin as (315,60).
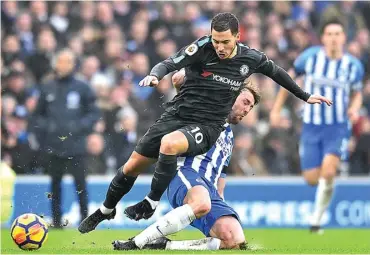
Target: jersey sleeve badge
(191,49)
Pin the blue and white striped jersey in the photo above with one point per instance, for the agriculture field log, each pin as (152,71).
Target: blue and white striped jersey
(332,78)
(210,164)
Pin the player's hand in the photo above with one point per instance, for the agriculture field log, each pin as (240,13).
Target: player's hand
(318,99)
(178,78)
(274,118)
(353,115)
(149,80)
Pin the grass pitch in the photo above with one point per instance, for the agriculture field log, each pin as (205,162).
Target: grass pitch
(278,241)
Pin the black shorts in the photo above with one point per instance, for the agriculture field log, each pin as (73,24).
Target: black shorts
(201,137)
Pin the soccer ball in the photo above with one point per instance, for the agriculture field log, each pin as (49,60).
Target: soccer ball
(29,231)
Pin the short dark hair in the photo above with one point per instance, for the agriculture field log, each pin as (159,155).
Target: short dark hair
(254,89)
(225,21)
(332,21)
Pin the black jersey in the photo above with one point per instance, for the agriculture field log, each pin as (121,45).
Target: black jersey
(212,84)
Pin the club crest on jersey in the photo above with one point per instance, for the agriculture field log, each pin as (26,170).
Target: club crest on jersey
(244,69)
(191,49)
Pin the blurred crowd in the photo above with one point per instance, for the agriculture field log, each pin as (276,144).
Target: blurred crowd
(116,45)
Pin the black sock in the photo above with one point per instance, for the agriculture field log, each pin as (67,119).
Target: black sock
(119,186)
(164,172)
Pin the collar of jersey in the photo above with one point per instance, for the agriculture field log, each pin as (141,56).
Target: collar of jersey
(237,53)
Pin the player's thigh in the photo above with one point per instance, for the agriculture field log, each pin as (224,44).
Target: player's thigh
(148,146)
(229,230)
(311,160)
(174,143)
(137,163)
(310,149)
(200,138)
(335,149)
(183,182)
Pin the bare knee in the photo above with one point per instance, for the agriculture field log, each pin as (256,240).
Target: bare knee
(174,143)
(199,200)
(201,208)
(312,176)
(129,169)
(168,145)
(312,182)
(329,175)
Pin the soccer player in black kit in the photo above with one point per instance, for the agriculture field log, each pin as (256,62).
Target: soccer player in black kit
(216,67)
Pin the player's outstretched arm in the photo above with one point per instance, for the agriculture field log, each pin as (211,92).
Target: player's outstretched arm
(149,80)
(280,76)
(278,104)
(319,99)
(157,73)
(185,57)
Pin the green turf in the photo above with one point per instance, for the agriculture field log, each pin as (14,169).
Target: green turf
(291,241)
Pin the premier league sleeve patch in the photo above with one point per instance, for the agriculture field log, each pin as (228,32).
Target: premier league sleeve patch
(191,49)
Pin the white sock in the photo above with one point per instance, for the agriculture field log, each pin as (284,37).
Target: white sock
(172,222)
(324,193)
(105,210)
(152,203)
(209,243)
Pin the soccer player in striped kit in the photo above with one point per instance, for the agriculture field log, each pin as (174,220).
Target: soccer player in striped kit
(337,75)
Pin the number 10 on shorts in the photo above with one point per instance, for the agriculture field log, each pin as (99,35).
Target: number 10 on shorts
(198,136)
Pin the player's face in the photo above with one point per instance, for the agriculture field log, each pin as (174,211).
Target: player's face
(242,106)
(333,37)
(224,42)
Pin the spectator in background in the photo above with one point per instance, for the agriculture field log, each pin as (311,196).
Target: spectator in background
(104,14)
(76,44)
(17,145)
(140,98)
(125,135)
(102,86)
(85,14)
(245,160)
(138,37)
(59,21)
(66,114)
(40,62)
(8,105)
(24,31)
(352,19)
(11,49)
(95,160)
(114,33)
(363,39)
(39,14)
(90,66)
(15,85)
(9,10)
